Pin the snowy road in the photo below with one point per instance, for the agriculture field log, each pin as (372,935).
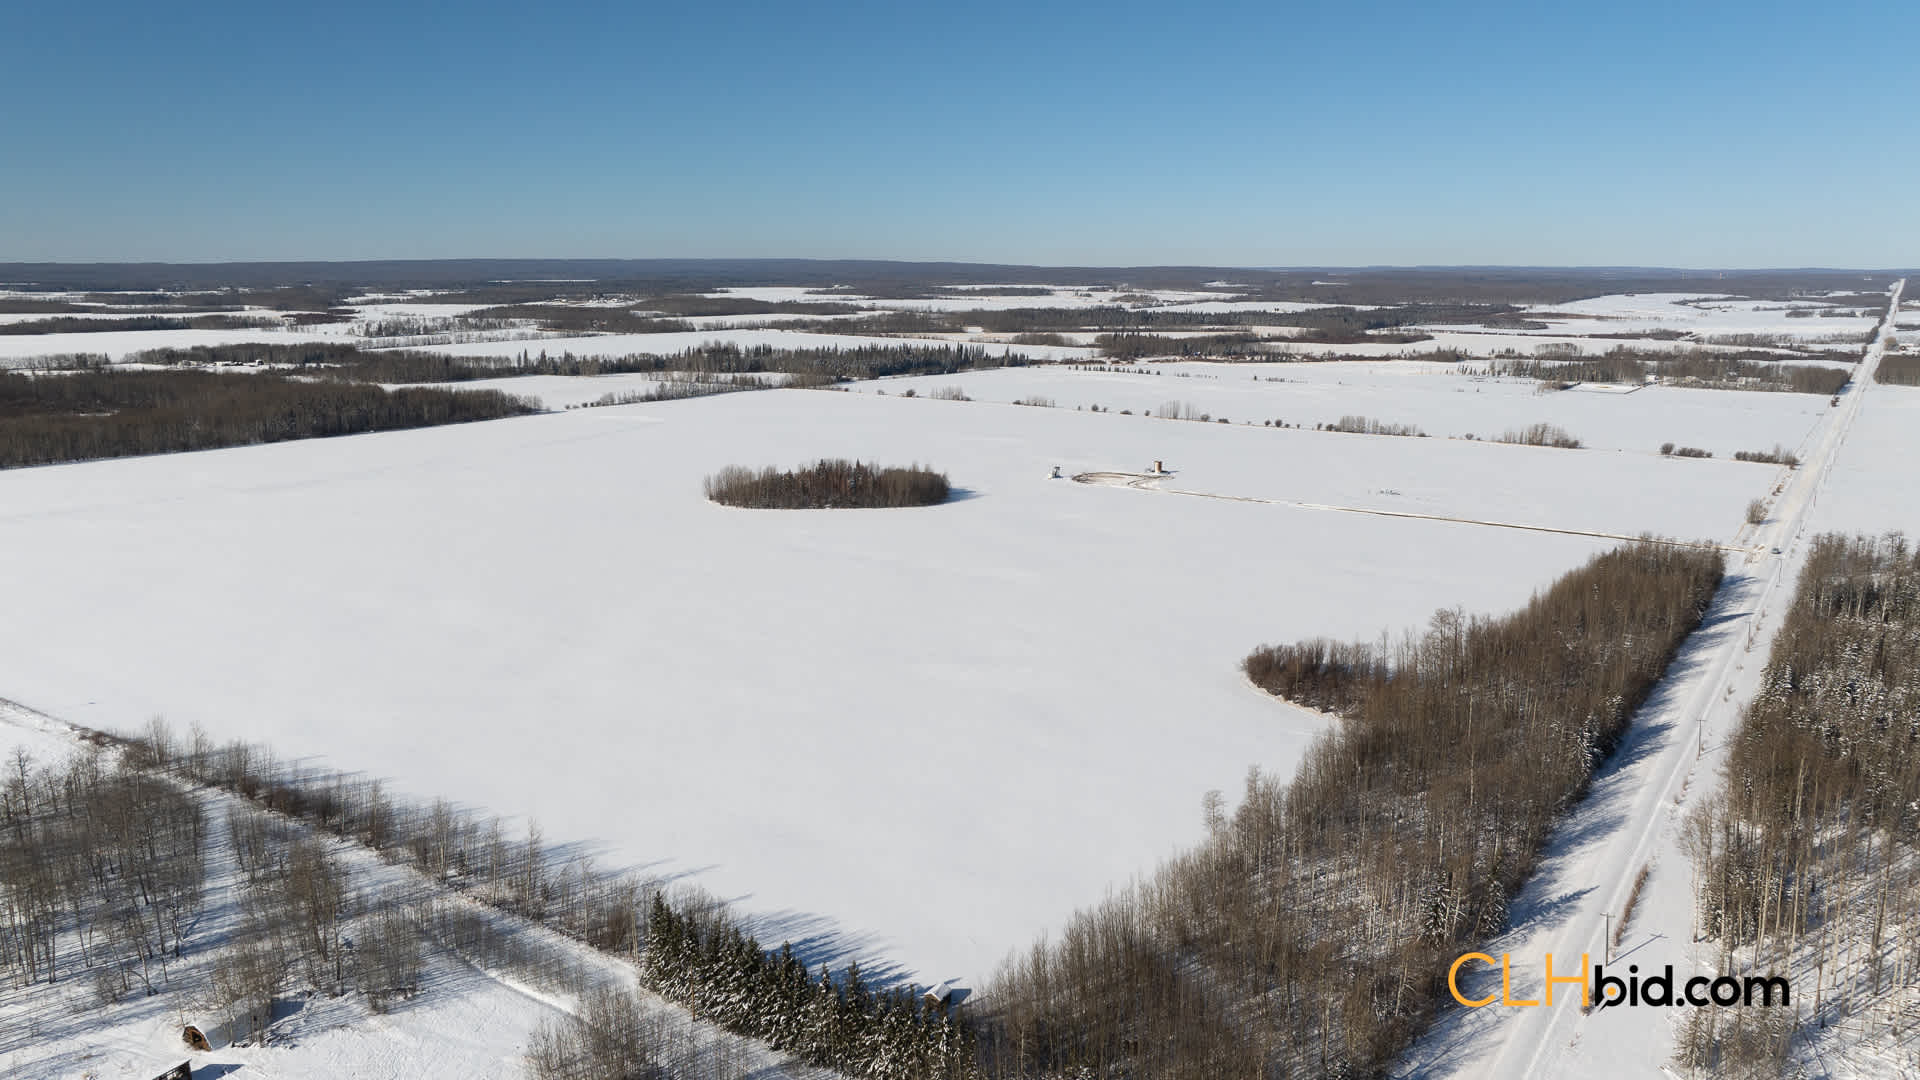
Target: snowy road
(1588,870)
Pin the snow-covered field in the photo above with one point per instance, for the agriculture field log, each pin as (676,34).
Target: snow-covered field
(918,738)
(1004,704)
(1704,314)
(1441,399)
(1872,489)
(120,344)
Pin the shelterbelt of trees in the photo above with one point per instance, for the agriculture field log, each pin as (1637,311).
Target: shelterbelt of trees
(1309,934)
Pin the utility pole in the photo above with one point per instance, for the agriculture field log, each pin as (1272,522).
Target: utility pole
(1607,944)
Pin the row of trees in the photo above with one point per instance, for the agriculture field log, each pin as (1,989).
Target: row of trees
(1805,863)
(1367,425)
(827,484)
(1713,370)
(71,325)
(1779,455)
(114,413)
(1540,434)
(1310,933)
(300,904)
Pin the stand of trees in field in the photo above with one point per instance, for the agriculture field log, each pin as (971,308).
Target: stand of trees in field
(1899,369)
(1310,934)
(1806,863)
(1746,370)
(88,414)
(1367,425)
(827,484)
(1541,434)
(1128,347)
(681,385)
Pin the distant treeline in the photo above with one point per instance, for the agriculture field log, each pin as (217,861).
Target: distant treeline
(1310,934)
(81,415)
(60,325)
(572,319)
(1323,325)
(345,362)
(1745,370)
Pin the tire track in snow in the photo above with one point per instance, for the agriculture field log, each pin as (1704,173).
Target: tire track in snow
(1152,482)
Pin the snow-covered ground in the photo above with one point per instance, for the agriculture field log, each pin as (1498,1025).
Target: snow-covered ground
(120,344)
(1006,703)
(1441,399)
(1704,315)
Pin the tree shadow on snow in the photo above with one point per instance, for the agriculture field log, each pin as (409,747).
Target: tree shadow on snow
(819,939)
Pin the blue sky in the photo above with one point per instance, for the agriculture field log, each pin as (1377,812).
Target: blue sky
(1753,134)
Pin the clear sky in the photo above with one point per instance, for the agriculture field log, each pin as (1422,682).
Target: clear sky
(1615,133)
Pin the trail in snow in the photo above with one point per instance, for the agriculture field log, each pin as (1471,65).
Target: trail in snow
(1152,482)
(1593,857)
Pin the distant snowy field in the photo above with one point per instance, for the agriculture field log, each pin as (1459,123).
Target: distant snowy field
(119,344)
(916,736)
(1704,314)
(1441,399)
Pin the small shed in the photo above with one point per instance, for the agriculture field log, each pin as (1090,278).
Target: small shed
(945,995)
(195,1038)
(182,1071)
